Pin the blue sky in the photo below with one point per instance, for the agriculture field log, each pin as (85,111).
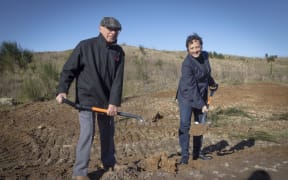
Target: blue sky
(236,27)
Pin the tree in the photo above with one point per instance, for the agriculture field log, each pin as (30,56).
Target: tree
(270,59)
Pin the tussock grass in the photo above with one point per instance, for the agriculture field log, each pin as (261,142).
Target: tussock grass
(271,136)
(219,114)
(281,116)
(232,111)
(40,83)
(32,89)
(226,118)
(257,136)
(10,84)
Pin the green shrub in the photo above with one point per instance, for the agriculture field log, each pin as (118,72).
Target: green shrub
(216,55)
(6,63)
(142,50)
(13,55)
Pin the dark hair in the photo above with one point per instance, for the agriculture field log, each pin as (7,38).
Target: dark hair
(192,37)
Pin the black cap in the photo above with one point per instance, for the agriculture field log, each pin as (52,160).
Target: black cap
(111,22)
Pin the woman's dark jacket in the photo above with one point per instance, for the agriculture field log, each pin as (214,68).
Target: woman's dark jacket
(98,68)
(194,81)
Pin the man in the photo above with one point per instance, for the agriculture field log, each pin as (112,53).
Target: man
(97,65)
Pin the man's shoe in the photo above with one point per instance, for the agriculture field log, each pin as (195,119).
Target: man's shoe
(183,161)
(115,167)
(107,168)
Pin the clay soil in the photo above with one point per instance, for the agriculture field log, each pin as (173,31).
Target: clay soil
(38,140)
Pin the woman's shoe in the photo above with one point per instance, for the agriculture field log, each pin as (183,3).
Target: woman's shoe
(201,156)
(204,157)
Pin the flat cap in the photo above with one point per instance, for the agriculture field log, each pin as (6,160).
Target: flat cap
(111,22)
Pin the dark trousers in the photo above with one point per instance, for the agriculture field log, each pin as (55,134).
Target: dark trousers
(186,112)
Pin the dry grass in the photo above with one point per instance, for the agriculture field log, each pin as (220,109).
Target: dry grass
(10,85)
(249,70)
(150,70)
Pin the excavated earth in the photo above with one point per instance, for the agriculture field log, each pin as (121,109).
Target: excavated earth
(38,140)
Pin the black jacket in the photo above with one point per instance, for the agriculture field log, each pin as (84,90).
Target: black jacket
(195,80)
(98,68)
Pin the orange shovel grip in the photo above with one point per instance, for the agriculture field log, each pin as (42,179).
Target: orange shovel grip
(99,109)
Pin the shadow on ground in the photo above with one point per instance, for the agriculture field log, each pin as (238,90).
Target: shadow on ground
(220,147)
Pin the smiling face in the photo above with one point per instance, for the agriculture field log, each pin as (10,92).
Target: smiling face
(109,34)
(195,48)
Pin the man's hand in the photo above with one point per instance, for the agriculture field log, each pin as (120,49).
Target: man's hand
(60,97)
(112,110)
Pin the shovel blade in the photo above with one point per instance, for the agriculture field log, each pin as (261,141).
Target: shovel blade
(199,129)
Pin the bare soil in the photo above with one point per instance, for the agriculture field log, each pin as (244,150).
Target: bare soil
(38,140)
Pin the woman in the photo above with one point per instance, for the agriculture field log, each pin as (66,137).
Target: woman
(192,95)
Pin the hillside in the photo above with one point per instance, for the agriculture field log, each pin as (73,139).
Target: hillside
(149,70)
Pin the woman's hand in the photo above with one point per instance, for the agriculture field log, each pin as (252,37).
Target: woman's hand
(204,109)
(214,87)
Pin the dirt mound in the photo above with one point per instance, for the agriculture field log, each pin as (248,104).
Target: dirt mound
(37,140)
